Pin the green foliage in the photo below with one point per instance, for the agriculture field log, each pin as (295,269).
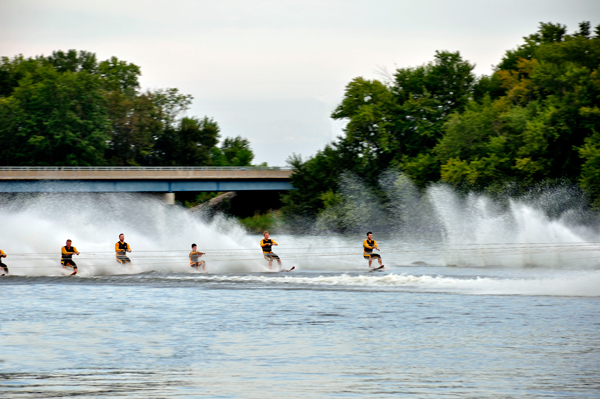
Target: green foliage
(534,119)
(189,143)
(135,128)
(233,152)
(540,118)
(258,223)
(70,109)
(170,104)
(421,169)
(395,125)
(537,130)
(72,61)
(331,199)
(548,33)
(55,118)
(448,80)
(313,177)
(13,70)
(488,86)
(590,154)
(119,76)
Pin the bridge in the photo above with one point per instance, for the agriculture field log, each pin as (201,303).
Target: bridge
(66,179)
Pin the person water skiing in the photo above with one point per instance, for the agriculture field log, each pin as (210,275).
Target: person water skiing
(266,245)
(2,265)
(194,259)
(368,245)
(66,257)
(121,248)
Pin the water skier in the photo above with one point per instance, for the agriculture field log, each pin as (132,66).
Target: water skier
(121,248)
(368,245)
(66,257)
(194,259)
(2,265)
(266,245)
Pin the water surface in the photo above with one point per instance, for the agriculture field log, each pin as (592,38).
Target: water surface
(306,334)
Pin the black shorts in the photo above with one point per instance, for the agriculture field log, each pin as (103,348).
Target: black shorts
(69,262)
(123,259)
(270,256)
(371,256)
(2,265)
(197,264)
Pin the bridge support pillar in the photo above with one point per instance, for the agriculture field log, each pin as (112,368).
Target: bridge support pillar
(169,198)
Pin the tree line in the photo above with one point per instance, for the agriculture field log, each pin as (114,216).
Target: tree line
(69,109)
(535,119)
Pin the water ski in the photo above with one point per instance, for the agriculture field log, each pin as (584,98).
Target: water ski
(293,267)
(67,271)
(380,268)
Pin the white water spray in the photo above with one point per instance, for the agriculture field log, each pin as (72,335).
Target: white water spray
(480,232)
(438,226)
(585,284)
(473,230)
(36,227)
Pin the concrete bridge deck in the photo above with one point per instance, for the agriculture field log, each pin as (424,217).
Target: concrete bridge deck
(143,173)
(15,179)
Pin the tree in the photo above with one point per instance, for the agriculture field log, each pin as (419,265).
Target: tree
(534,119)
(55,118)
(72,61)
(541,128)
(119,76)
(448,80)
(477,141)
(590,174)
(13,70)
(189,143)
(170,104)
(398,125)
(369,108)
(70,109)
(233,152)
(393,125)
(135,126)
(547,33)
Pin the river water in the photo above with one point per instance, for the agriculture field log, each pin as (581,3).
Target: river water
(508,317)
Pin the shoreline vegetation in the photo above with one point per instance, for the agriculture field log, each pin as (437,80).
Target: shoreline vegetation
(69,109)
(533,123)
(209,204)
(259,223)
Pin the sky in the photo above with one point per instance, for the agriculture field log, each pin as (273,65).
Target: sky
(273,71)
